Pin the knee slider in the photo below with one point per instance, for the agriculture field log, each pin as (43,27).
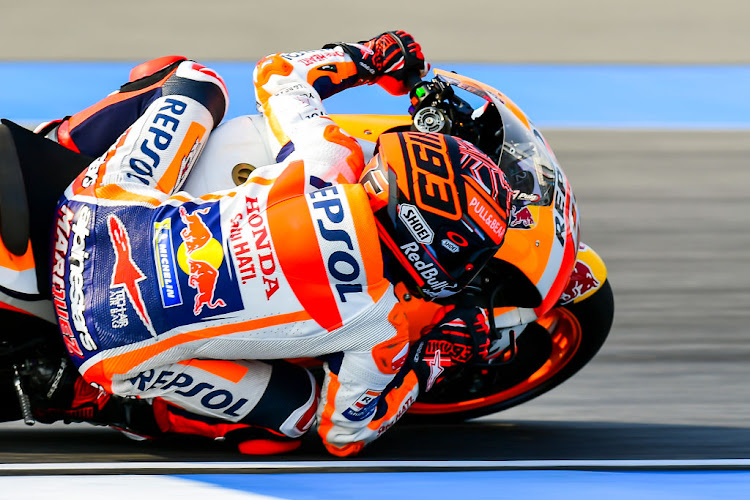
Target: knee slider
(200,84)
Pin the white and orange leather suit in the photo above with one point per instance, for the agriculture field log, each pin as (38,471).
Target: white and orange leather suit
(158,294)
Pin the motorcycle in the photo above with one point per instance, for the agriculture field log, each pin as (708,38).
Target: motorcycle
(552,304)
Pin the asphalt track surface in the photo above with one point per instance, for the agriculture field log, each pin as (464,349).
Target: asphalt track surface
(669,213)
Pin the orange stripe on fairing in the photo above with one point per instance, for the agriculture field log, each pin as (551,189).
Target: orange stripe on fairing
(562,278)
(17,263)
(290,184)
(168,180)
(115,192)
(368,241)
(102,372)
(369,127)
(567,262)
(520,245)
(356,158)
(300,259)
(228,370)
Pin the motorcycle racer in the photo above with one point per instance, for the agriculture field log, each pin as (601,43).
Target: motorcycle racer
(209,280)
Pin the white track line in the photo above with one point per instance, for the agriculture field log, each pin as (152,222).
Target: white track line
(206,467)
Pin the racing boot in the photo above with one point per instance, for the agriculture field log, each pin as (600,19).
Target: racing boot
(248,439)
(57,392)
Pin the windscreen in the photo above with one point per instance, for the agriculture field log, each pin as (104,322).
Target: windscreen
(525,158)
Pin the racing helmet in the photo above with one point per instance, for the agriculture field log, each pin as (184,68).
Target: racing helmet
(441,207)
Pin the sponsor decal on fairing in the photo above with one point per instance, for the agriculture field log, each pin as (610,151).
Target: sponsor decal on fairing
(581,282)
(521,218)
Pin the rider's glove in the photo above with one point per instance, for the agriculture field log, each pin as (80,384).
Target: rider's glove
(392,60)
(461,337)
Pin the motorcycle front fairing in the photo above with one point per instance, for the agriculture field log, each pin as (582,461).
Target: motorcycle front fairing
(543,232)
(542,237)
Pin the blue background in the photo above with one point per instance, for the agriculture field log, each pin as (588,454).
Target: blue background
(601,96)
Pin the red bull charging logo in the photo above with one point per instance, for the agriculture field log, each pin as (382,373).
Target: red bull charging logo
(581,282)
(200,256)
(521,218)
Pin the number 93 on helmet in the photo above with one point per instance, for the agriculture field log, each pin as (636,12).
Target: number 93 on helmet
(441,207)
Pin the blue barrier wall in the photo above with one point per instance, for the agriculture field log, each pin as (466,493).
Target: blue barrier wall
(630,96)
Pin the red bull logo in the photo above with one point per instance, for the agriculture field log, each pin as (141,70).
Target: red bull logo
(521,218)
(126,274)
(200,257)
(581,282)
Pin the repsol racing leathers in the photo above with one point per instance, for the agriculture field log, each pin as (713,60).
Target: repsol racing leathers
(159,294)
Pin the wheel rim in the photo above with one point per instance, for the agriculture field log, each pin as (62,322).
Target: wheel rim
(566,340)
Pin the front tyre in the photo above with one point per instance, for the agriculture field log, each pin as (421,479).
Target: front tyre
(550,351)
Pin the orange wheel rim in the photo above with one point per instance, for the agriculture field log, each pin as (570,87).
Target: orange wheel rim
(565,343)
